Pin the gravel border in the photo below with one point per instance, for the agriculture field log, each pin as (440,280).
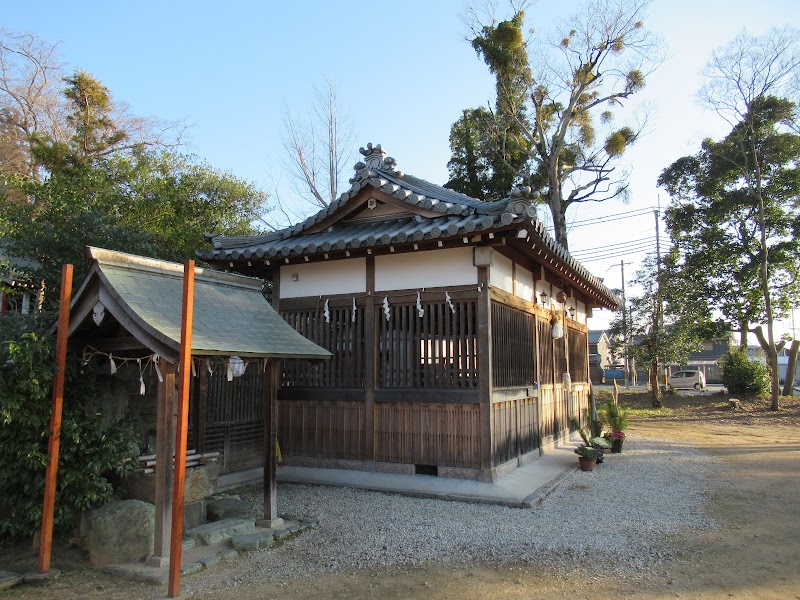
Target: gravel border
(618,520)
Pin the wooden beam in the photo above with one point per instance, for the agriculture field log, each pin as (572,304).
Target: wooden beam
(178,491)
(484,310)
(165,450)
(110,345)
(370,362)
(270,398)
(54,443)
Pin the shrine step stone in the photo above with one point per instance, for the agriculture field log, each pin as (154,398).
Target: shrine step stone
(230,508)
(250,542)
(220,531)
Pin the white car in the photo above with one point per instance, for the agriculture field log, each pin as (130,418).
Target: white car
(687,380)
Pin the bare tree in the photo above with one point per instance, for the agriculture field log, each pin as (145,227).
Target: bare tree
(751,67)
(32,103)
(30,95)
(741,75)
(580,75)
(316,149)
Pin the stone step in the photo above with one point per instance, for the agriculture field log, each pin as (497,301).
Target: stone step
(250,542)
(9,579)
(219,531)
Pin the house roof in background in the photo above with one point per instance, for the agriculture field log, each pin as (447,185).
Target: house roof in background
(596,334)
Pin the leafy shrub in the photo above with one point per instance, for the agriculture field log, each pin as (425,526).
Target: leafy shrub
(742,375)
(89,453)
(614,416)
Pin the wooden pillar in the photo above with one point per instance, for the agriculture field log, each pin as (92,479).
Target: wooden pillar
(181,431)
(201,406)
(165,450)
(370,373)
(271,382)
(485,371)
(54,442)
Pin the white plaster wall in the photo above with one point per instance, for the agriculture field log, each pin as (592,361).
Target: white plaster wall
(580,315)
(429,268)
(501,274)
(524,283)
(325,278)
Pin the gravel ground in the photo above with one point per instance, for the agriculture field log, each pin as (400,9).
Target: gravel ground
(620,517)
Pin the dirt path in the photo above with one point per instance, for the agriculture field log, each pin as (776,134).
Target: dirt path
(755,553)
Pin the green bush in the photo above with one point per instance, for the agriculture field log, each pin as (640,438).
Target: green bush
(614,416)
(89,453)
(742,375)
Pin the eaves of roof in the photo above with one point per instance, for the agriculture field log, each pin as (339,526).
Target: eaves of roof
(460,216)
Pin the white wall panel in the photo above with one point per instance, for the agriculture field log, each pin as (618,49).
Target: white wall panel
(502,273)
(429,268)
(524,283)
(324,278)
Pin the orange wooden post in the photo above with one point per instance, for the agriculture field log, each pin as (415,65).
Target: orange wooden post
(178,492)
(48,510)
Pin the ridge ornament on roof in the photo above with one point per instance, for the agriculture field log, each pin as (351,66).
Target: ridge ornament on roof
(423,212)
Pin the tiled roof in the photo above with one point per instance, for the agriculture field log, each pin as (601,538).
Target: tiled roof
(460,216)
(231,315)
(595,335)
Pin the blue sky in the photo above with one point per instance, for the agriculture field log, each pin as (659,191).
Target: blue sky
(403,72)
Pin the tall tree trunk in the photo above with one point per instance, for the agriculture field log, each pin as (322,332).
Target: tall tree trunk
(744,329)
(557,210)
(772,364)
(791,369)
(655,384)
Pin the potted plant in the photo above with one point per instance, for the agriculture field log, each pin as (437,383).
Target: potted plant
(587,457)
(616,438)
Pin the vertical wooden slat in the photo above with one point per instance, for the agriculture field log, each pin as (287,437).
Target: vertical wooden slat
(485,368)
(370,352)
(270,409)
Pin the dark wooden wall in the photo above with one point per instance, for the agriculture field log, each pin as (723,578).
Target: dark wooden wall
(426,405)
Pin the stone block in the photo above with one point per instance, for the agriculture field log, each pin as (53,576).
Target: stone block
(219,531)
(194,514)
(121,532)
(226,508)
(201,482)
(246,543)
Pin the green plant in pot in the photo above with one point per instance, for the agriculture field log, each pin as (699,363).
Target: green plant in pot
(588,457)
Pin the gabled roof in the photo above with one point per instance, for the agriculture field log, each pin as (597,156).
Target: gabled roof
(231,315)
(421,211)
(595,335)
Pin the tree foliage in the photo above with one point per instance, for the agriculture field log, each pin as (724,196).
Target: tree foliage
(91,453)
(102,190)
(483,164)
(742,375)
(750,82)
(735,219)
(663,326)
(553,126)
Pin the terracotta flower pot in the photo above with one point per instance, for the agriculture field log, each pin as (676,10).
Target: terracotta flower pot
(587,464)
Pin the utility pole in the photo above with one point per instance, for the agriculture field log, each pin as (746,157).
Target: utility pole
(625,326)
(658,313)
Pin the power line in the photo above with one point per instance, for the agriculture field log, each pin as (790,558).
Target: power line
(594,249)
(621,249)
(613,217)
(651,251)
